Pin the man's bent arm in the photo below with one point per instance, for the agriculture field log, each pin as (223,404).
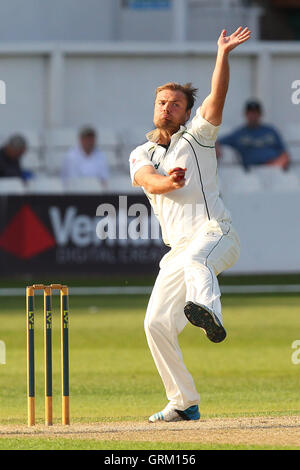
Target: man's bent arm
(154,183)
(212,107)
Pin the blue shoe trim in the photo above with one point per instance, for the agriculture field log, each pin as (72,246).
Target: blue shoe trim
(191,413)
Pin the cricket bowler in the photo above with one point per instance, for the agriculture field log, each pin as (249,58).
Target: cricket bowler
(177,169)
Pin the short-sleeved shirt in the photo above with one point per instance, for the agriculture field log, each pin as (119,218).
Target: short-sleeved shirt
(255,145)
(183,212)
(77,164)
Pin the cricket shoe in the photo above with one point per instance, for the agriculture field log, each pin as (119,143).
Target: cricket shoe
(169,414)
(203,317)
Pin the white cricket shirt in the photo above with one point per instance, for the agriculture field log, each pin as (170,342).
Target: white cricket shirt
(183,212)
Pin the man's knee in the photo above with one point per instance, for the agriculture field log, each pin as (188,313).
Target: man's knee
(152,325)
(200,262)
(160,323)
(193,258)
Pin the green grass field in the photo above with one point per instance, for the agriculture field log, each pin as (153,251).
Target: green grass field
(113,377)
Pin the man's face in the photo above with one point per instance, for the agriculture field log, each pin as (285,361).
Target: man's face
(170,110)
(14,153)
(253,117)
(88,143)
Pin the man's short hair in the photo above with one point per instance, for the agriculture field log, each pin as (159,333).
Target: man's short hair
(87,131)
(17,142)
(187,89)
(253,105)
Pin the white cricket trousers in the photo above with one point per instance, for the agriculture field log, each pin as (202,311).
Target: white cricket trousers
(187,273)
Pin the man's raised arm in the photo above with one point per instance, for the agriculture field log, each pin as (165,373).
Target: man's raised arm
(212,106)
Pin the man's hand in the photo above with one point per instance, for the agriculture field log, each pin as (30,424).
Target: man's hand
(283,161)
(177,174)
(177,177)
(228,43)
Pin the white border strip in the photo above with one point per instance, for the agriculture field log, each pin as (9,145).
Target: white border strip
(261,289)
(146,290)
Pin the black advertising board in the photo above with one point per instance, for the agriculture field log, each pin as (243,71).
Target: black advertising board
(78,235)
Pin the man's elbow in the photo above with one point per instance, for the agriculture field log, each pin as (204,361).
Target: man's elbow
(149,188)
(143,184)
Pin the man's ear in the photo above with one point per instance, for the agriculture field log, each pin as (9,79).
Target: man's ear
(188,115)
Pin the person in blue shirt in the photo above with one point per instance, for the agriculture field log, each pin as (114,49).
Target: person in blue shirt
(256,143)
(10,157)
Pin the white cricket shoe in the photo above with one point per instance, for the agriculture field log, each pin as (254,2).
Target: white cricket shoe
(169,414)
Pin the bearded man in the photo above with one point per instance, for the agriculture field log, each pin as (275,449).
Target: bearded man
(177,169)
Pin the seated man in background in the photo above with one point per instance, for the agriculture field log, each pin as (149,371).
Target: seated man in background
(10,156)
(86,160)
(256,143)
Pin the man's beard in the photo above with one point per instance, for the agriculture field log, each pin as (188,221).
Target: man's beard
(166,125)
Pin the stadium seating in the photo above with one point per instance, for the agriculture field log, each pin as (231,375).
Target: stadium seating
(286,181)
(121,183)
(292,138)
(31,160)
(83,186)
(47,150)
(57,143)
(235,179)
(273,178)
(229,157)
(45,185)
(9,186)
(130,139)
(110,144)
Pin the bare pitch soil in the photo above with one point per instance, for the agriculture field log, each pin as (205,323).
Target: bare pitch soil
(276,431)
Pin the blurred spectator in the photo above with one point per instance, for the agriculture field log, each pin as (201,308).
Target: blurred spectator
(86,160)
(10,156)
(256,143)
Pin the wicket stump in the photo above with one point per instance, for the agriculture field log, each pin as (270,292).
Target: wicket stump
(64,308)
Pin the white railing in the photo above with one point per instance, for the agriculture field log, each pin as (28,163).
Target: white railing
(217,3)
